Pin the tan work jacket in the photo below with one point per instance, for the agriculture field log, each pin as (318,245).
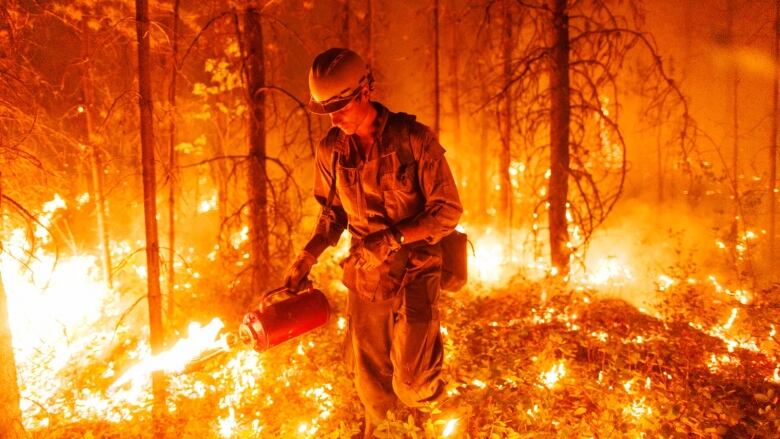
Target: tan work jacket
(387,188)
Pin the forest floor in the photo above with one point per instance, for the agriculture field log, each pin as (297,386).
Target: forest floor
(520,363)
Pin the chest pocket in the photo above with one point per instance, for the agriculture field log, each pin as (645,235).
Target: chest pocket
(347,180)
(400,192)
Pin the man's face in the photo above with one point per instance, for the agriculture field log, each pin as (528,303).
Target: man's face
(349,118)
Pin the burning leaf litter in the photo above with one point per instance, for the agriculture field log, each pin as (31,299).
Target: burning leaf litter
(530,359)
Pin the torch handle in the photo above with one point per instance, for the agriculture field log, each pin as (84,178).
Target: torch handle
(267,295)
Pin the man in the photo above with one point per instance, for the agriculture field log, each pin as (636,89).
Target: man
(395,193)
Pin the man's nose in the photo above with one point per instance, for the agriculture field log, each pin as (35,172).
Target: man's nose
(335,119)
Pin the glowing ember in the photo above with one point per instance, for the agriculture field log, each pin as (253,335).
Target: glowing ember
(199,340)
(552,376)
(449,428)
(716,362)
(227,425)
(638,408)
(664,282)
(479,383)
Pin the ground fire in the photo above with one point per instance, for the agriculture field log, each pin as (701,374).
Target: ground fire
(199,229)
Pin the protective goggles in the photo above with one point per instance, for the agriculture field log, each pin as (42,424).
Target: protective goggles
(341,100)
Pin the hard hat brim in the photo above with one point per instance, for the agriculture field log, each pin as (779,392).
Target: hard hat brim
(336,103)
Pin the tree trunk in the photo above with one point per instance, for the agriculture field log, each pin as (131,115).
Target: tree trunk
(96,161)
(100,211)
(370,33)
(258,196)
(733,107)
(485,147)
(455,73)
(172,164)
(10,415)
(505,122)
(345,24)
(150,208)
(659,162)
(559,139)
(436,87)
(773,143)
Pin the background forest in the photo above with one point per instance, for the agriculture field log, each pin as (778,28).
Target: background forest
(616,162)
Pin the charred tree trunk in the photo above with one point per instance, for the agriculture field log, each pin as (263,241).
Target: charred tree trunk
(100,211)
(345,12)
(96,161)
(505,121)
(10,415)
(734,109)
(483,158)
(436,86)
(150,207)
(370,32)
(773,143)
(172,164)
(258,178)
(659,157)
(559,138)
(455,73)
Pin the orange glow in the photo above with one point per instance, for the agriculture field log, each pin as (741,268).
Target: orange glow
(199,340)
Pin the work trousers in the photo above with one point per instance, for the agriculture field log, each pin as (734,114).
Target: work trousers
(394,346)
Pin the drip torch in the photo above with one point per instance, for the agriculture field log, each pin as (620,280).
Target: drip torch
(275,322)
(281,316)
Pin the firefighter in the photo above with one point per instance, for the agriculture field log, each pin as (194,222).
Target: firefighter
(395,194)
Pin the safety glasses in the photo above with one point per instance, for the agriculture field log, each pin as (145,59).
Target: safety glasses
(339,101)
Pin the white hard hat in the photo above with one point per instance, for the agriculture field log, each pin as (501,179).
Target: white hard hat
(335,79)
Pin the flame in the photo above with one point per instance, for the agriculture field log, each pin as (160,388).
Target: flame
(638,408)
(199,340)
(488,262)
(551,377)
(608,271)
(449,428)
(53,305)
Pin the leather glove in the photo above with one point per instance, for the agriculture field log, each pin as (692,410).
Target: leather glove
(377,247)
(297,274)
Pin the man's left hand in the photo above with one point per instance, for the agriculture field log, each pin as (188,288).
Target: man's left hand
(377,247)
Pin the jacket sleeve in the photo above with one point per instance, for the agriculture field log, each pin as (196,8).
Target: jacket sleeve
(330,224)
(442,209)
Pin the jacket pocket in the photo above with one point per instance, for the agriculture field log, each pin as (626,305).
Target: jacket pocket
(348,189)
(400,191)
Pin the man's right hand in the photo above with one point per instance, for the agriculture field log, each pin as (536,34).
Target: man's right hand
(298,272)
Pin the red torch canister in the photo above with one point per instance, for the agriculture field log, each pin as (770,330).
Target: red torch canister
(275,323)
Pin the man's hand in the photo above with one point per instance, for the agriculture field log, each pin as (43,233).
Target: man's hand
(298,272)
(377,247)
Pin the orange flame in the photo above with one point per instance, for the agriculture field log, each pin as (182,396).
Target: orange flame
(199,340)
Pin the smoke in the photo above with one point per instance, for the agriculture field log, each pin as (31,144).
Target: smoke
(641,244)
